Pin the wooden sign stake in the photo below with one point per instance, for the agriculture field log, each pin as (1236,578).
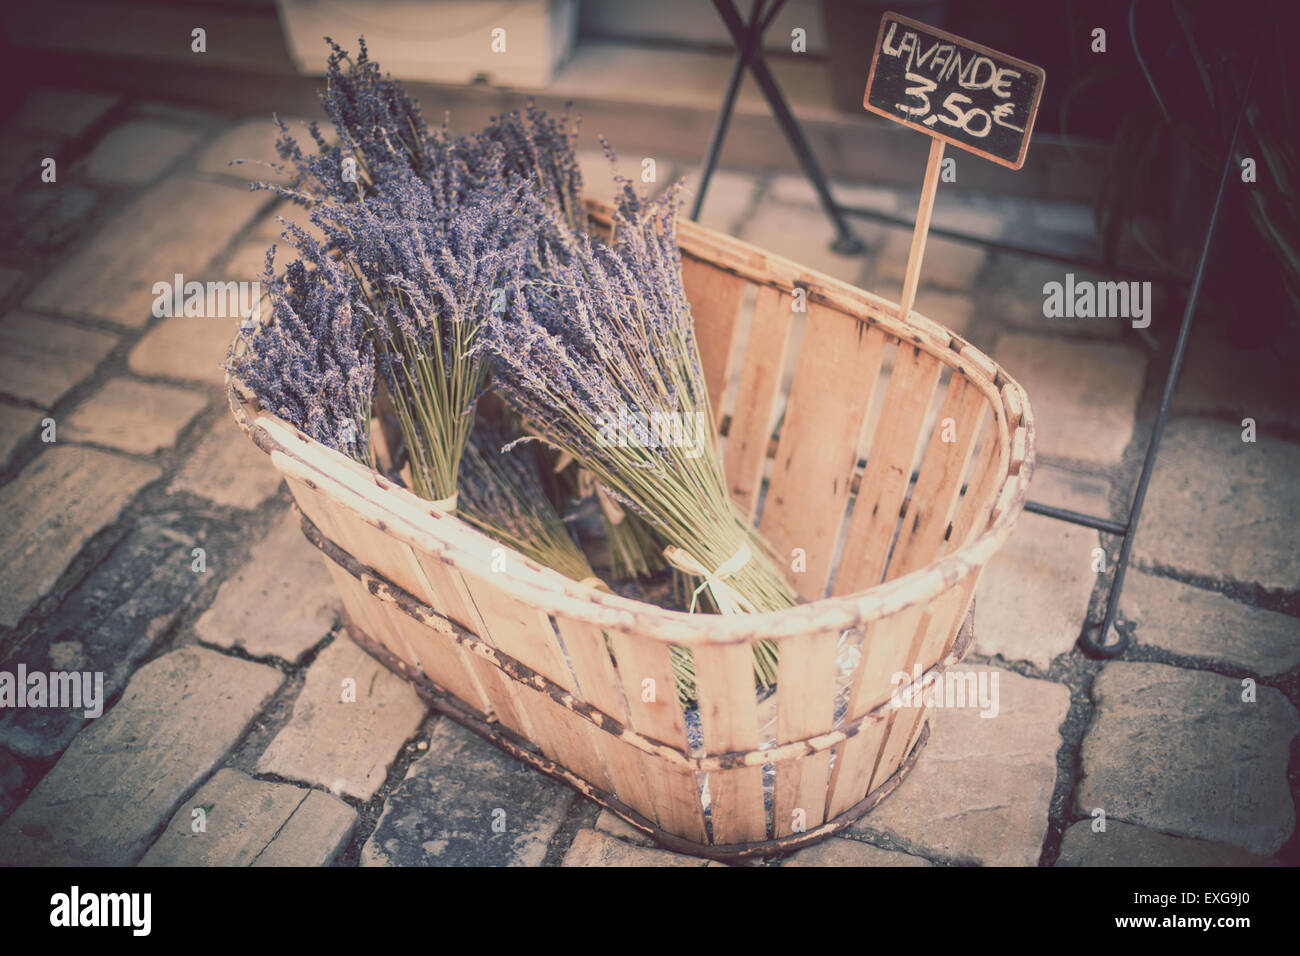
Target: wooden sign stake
(922,230)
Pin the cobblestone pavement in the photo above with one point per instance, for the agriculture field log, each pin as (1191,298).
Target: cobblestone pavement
(146,539)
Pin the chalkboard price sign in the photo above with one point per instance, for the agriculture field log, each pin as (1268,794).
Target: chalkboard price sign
(954,90)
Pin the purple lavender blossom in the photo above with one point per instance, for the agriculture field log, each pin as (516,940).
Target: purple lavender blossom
(313,363)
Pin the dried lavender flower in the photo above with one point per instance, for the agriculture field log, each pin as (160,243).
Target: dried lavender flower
(313,362)
(501,493)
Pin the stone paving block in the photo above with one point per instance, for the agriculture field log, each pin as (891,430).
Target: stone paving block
(122,777)
(1222,378)
(41,359)
(1123,844)
(22,158)
(12,780)
(1221,507)
(838,851)
(66,113)
(136,152)
(43,221)
(804,234)
(280,602)
(185,347)
(948,264)
(110,622)
(443,812)
(1189,620)
(981,788)
(1180,751)
(1066,488)
(591,848)
(246,149)
(80,490)
(988,220)
(1018,283)
(1032,598)
(16,423)
(194,348)
(953,310)
(134,416)
(1072,219)
(228,469)
(1084,394)
(797,190)
(251,822)
(181,115)
(150,241)
(9,279)
(729,199)
(345,746)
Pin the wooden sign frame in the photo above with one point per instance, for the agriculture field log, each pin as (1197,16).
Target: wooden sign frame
(962,43)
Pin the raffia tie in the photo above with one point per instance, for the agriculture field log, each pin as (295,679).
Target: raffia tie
(446,505)
(728,599)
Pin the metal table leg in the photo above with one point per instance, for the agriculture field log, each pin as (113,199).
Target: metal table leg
(1095,642)
(748,39)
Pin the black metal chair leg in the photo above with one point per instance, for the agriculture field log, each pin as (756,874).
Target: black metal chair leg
(728,105)
(1093,642)
(846,242)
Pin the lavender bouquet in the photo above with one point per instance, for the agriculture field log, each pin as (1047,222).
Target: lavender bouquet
(431,227)
(599,357)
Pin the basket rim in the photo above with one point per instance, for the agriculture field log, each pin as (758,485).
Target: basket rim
(398,512)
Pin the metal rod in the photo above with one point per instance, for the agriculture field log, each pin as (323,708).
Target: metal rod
(743,47)
(846,242)
(1099,647)
(1077,517)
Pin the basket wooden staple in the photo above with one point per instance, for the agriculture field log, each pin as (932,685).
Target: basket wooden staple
(899,466)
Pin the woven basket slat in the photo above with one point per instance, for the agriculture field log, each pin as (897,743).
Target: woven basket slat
(805,684)
(815,458)
(756,395)
(938,483)
(871,529)
(729,714)
(645,672)
(718,295)
(884,653)
(598,683)
(972,511)
(438,656)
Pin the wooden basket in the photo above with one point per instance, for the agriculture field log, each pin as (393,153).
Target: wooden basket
(577,682)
